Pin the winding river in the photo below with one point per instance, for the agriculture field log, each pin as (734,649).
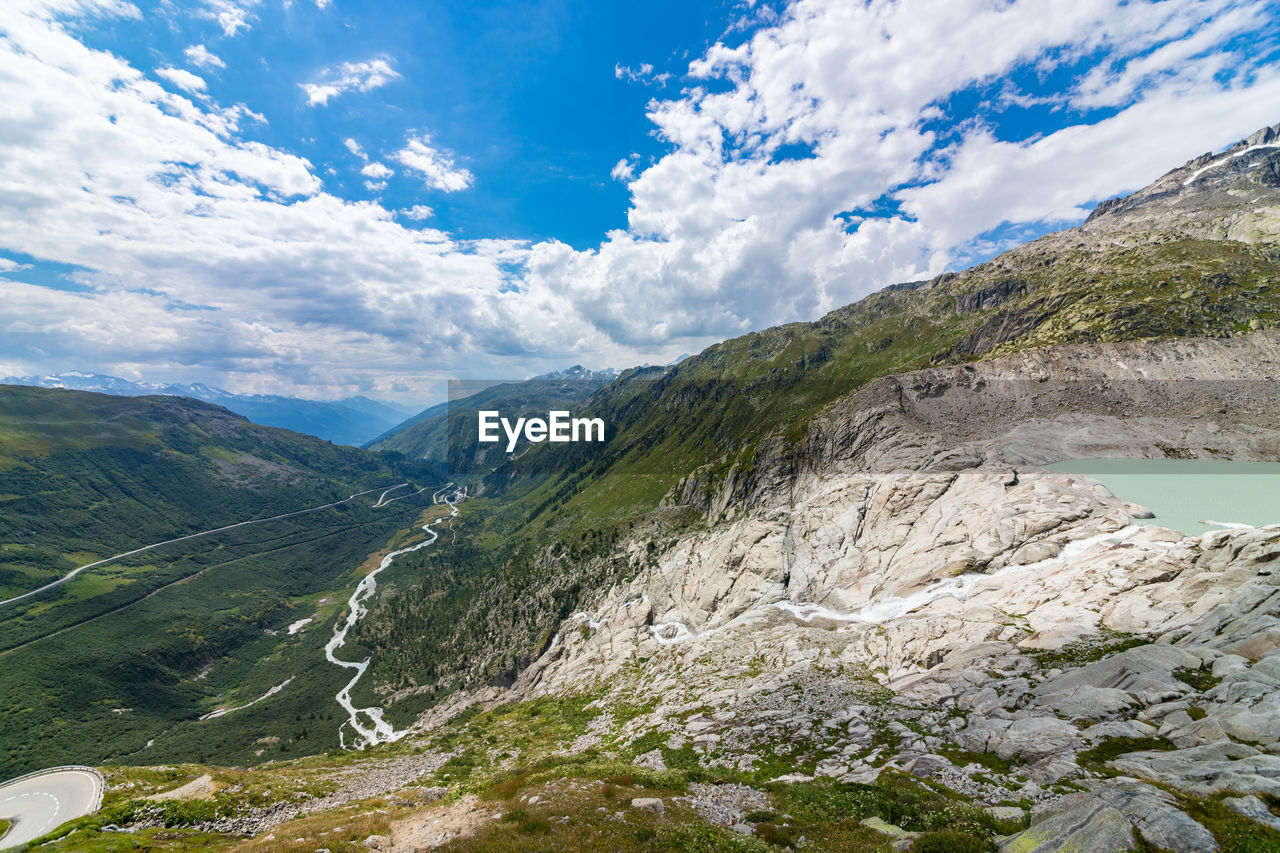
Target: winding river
(377,730)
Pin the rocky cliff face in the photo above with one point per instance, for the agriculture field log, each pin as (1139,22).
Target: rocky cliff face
(1215,196)
(905,584)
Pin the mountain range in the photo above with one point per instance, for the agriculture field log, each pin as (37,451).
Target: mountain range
(352,421)
(445,434)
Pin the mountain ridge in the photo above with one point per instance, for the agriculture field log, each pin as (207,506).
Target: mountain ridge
(349,421)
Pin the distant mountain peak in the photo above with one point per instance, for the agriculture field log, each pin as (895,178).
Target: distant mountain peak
(1237,189)
(580,373)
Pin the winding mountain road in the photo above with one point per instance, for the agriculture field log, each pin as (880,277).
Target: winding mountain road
(40,802)
(71,574)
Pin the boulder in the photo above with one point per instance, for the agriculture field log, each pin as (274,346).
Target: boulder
(1005,812)
(1197,733)
(1254,809)
(1087,702)
(1143,672)
(1160,823)
(1258,724)
(1107,820)
(1091,825)
(648,804)
(1223,766)
(1033,738)
(1118,728)
(886,828)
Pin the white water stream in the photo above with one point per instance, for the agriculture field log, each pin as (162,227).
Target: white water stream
(959,587)
(378,730)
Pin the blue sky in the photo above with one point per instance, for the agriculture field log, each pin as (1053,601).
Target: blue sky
(530,91)
(322,197)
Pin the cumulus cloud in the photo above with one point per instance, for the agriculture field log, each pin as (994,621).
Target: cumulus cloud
(184,80)
(436,167)
(198,248)
(347,77)
(355,148)
(199,56)
(232,15)
(376,170)
(622,170)
(754,215)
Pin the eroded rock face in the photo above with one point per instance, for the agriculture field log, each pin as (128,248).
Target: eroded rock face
(913,592)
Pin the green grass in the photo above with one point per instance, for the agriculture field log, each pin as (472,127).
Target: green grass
(1201,679)
(989,760)
(1111,748)
(1234,832)
(1087,651)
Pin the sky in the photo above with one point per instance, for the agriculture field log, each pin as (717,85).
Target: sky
(322,198)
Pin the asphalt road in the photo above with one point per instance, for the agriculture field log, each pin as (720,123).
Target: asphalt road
(43,801)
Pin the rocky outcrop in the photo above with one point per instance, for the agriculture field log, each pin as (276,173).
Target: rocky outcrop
(1110,818)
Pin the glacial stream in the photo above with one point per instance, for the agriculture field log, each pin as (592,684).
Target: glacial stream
(378,730)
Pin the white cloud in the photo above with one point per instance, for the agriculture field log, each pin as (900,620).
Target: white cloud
(643,74)
(206,254)
(232,15)
(355,148)
(347,77)
(184,80)
(10,265)
(199,56)
(436,167)
(376,170)
(622,171)
(833,108)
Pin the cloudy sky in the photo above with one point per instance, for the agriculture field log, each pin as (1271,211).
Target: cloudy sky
(325,197)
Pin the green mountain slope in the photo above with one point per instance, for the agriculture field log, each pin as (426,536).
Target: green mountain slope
(349,421)
(137,649)
(121,472)
(446,434)
(1195,253)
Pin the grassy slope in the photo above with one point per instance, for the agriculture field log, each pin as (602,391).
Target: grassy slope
(89,475)
(127,652)
(504,755)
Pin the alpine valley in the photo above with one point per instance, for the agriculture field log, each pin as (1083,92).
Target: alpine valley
(817,590)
